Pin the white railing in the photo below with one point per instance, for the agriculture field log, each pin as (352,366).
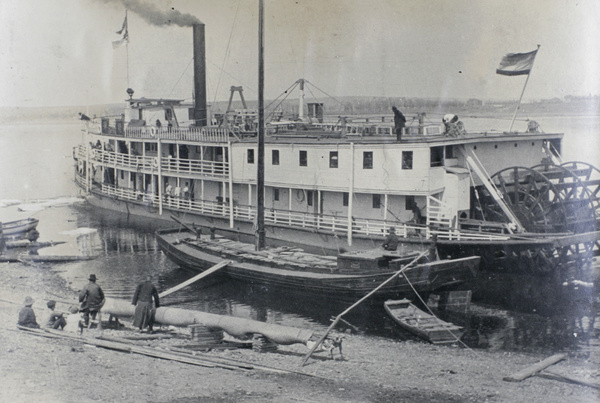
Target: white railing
(321,222)
(209,168)
(196,134)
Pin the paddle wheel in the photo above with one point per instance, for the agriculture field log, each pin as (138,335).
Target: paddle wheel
(559,201)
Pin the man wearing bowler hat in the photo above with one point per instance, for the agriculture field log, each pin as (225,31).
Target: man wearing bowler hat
(92,299)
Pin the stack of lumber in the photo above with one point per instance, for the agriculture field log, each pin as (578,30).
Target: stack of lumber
(205,334)
(263,345)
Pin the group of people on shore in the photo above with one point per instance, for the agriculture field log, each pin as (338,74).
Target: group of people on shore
(92,299)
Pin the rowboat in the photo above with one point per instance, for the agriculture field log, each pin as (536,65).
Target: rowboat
(20,229)
(348,276)
(421,323)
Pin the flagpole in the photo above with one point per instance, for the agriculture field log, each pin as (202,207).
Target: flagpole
(127,48)
(522,93)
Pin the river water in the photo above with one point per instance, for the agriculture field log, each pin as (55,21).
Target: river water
(37,181)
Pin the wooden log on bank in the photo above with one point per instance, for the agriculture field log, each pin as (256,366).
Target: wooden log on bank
(237,327)
(563,378)
(534,369)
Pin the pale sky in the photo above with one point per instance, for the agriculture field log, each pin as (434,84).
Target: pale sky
(59,52)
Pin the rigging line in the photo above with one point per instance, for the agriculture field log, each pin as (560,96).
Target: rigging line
(335,99)
(227,51)
(287,91)
(277,106)
(235,78)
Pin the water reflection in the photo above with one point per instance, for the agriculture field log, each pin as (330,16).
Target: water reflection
(127,250)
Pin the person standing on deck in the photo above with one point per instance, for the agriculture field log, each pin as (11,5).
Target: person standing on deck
(399,123)
(142,299)
(391,241)
(92,300)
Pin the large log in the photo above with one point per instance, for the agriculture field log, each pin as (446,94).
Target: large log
(237,327)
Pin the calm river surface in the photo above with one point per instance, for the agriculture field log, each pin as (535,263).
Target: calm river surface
(36,180)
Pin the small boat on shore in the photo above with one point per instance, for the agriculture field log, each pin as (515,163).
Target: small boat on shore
(350,275)
(421,323)
(27,258)
(20,229)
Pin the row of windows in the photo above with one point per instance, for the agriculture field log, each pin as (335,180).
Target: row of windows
(407,158)
(409,200)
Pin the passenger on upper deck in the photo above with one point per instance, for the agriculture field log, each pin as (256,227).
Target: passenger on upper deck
(158,124)
(454,127)
(399,123)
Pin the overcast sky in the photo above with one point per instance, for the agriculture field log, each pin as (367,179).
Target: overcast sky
(59,52)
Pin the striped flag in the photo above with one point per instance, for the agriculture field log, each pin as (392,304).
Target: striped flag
(516,64)
(125,34)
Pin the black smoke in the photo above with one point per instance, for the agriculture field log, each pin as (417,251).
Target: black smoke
(152,15)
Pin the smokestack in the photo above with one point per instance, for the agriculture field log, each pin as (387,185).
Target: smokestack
(199,111)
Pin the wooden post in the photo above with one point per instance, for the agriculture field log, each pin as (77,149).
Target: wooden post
(339,317)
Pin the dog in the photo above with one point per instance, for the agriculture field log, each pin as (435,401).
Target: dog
(331,343)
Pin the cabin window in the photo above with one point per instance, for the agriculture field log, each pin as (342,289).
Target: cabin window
(309,197)
(436,157)
(151,147)
(250,156)
(275,157)
(345,199)
(407,159)
(303,158)
(333,159)
(168,114)
(368,160)
(449,152)
(409,203)
(276,194)
(376,201)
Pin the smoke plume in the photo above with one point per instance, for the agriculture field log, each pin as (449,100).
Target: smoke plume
(152,15)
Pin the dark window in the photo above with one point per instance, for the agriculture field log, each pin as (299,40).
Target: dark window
(368,160)
(449,151)
(276,194)
(376,201)
(250,156)
(436,157)
(309,197)
(407,159)
(303,158)
(275,157)
(410,202)
(168,114)
(333,159)
(345,199)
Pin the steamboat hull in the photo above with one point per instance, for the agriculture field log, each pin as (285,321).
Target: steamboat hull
(182,248)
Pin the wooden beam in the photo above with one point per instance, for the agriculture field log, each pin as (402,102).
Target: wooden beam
(568,379)
(535,368)
(205,273)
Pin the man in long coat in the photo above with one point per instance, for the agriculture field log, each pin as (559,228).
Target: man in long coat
(92,300)
(399,122)
(142,299)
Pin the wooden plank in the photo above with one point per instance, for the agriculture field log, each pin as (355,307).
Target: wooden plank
(535,368)
(205,273)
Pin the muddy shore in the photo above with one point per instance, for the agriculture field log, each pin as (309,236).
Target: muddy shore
(374,369)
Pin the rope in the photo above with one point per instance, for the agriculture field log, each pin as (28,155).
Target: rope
(227,52)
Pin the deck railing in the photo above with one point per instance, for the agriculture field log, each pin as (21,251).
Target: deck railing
(321,222)
(195,134)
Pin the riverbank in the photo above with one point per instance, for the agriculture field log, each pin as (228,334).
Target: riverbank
(375,369)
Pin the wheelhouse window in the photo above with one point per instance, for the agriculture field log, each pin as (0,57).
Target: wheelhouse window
(345,199)
(436,158)
(407,160)
(250,156)
(376,201)
(275,157)
(303,158)
(333,159)
(368,160)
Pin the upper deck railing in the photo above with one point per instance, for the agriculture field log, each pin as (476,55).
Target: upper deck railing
(192,134)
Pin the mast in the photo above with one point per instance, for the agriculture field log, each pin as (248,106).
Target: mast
(260,177)
(522,92)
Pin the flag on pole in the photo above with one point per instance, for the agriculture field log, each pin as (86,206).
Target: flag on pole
(125,34)
(516,64)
